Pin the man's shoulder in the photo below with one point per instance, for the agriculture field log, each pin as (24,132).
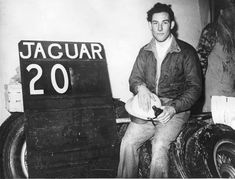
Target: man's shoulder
(210,28)
(184,46)
(146,48)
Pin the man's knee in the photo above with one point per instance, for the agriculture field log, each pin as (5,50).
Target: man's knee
(128,143)
(160,145)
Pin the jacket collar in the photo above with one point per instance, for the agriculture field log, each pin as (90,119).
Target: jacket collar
(174,47)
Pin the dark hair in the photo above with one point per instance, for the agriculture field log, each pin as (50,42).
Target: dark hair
(159,7)
(224,4)
(226,30)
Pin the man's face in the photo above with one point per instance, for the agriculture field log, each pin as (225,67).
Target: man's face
(228,15)
(161,26)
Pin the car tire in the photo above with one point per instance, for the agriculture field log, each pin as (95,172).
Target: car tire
(224,158)
(210,152)
(177,151)
(13,147)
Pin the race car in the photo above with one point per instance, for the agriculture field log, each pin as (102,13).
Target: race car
(73,127)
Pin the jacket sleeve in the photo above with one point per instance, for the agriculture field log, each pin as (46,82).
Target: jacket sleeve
(206,44)
(137,76)
(193,83)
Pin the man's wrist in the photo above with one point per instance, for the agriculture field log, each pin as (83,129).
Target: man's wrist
(141,87)
(173,105)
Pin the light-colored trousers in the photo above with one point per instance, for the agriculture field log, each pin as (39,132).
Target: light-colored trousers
(161,136)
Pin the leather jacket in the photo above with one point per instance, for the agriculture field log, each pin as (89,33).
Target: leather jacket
(180,79)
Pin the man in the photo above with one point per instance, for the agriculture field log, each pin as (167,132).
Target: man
(169,68)
(216,50)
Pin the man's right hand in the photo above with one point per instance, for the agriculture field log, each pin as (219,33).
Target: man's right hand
(144,97)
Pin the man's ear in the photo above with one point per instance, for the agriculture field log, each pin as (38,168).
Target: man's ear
(172,24)
(221,12)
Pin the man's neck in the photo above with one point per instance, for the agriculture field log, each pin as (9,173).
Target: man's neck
(164,43)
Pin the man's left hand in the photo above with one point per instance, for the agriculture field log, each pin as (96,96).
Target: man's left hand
(167,113)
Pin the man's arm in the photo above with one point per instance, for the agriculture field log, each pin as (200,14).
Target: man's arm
(206,44)
(138,83)
(137,77)
(193,75)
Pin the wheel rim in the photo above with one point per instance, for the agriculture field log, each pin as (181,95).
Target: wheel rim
(224,158)
(23,159)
